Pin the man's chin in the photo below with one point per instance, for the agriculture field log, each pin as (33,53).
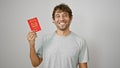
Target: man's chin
(62,29)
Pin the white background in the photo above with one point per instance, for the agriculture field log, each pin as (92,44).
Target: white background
(98,21)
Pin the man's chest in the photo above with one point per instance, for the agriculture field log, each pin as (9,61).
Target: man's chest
(65,48)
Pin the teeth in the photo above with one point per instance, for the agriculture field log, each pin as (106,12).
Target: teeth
(62,23)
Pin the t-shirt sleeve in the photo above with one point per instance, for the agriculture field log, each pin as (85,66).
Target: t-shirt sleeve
(83,55)
(45,39)
(40,52)
(40,49)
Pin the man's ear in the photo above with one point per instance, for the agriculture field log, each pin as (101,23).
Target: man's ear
(71,18)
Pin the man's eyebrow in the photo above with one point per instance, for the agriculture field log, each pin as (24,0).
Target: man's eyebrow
(61,12)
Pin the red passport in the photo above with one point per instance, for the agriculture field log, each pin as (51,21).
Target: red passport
(34,24)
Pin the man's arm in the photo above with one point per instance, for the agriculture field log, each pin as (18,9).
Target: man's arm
(83,65)
(35,60)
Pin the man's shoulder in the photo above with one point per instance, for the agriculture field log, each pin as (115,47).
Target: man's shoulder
(78,38)
(48,36)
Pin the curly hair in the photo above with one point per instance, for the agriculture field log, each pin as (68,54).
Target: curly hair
(62,7)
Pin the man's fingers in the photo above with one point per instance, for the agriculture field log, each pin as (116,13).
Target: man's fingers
(31,35)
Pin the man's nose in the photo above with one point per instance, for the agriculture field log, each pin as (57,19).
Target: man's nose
(61,17)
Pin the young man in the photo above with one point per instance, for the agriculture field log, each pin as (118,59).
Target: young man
(63,48)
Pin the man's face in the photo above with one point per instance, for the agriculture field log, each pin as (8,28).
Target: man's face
(62,20)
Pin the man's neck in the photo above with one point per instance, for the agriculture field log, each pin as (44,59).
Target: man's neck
(63,33)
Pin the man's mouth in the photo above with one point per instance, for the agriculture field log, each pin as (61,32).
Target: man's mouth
(62,23)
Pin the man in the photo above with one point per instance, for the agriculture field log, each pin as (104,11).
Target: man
(63,48)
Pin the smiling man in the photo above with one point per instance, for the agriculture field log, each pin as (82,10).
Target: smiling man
(61,49)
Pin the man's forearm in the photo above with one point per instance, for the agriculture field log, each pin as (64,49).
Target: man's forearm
(35,60)
(83,65)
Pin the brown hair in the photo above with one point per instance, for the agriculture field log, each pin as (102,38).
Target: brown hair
(64,8)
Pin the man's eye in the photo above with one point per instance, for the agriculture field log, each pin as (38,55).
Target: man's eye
(57,16)
(65,15)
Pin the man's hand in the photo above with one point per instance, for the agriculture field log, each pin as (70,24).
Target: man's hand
(31,38)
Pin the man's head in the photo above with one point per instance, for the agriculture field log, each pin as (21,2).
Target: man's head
(62,16)
(62,8)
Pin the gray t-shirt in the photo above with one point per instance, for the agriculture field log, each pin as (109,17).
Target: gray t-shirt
(63,51)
